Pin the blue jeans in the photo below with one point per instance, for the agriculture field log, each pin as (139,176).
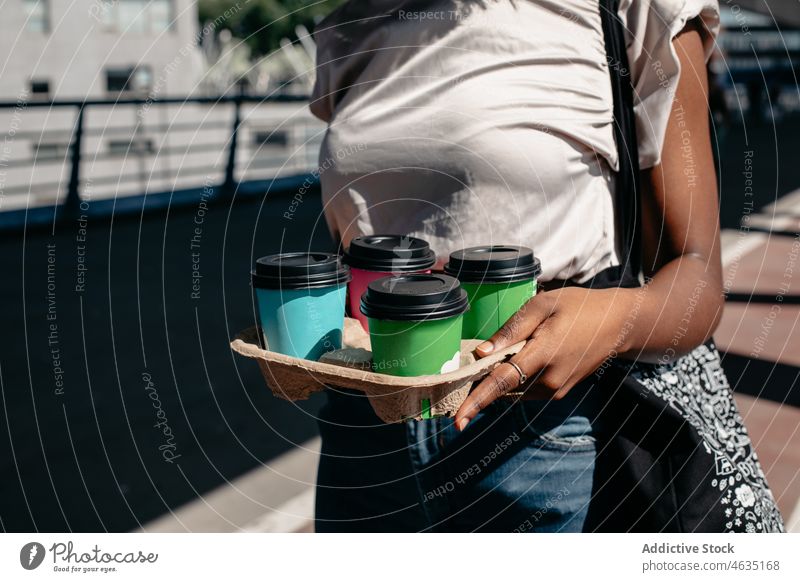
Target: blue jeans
(523,466)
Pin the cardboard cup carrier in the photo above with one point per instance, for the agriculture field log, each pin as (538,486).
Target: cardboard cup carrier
(394,398)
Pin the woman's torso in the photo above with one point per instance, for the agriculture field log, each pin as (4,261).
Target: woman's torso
(471,123)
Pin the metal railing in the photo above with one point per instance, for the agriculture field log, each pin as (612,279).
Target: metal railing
(290,160)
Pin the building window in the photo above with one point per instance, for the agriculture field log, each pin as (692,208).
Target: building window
(138,80)
(38,15)
(50,151)
(130,147)
(40,89)
(161,15)
(270,139)
(138,16)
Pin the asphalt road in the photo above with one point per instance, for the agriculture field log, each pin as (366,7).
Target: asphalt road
(87,374)
(763,154)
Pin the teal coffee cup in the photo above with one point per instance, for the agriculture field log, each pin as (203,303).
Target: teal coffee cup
(301,299)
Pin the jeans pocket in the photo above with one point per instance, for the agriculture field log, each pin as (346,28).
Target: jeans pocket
(550,429)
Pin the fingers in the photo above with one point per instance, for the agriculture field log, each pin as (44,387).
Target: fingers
(519,326)
(503,379)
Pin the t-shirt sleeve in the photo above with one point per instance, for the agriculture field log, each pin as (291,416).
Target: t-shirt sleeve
(651,25)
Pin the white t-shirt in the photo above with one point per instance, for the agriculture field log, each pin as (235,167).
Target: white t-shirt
(489,121)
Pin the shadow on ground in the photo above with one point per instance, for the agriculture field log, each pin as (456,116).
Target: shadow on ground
(92,363)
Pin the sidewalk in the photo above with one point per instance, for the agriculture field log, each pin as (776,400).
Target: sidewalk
(760,337)
(276,497)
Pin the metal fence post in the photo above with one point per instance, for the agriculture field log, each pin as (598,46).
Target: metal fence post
(73,200)
(229,185)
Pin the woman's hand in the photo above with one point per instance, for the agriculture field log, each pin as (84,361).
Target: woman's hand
(569,332)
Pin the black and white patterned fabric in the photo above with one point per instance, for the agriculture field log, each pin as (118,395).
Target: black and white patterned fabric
(695,386)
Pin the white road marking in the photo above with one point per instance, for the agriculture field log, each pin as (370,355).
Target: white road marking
(786,204)
(777,223)
(793,524)
(735,244)
(281,487)
(295,515)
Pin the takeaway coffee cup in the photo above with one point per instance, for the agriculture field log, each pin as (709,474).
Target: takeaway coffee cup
(301,299)
(376,256)
(415,323)
(498,281)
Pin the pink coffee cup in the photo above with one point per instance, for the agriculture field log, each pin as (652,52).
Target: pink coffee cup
(375,256)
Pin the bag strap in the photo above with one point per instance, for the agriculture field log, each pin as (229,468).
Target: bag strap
(628,189)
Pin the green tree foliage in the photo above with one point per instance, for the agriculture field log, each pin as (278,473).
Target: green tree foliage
(263,23)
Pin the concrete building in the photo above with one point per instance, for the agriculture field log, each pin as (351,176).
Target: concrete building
(98,48)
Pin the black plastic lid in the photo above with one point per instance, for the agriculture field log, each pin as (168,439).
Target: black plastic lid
(493,264)
(299,271)
(389,253)
(414,298)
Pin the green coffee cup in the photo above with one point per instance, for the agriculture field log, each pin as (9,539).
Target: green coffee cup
(498,281)
(415,323)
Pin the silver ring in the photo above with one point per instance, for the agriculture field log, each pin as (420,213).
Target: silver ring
(522,375)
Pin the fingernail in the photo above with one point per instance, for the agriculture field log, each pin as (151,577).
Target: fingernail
(462,424)
(486,347)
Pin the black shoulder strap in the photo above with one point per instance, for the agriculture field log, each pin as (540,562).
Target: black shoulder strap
(628,192)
